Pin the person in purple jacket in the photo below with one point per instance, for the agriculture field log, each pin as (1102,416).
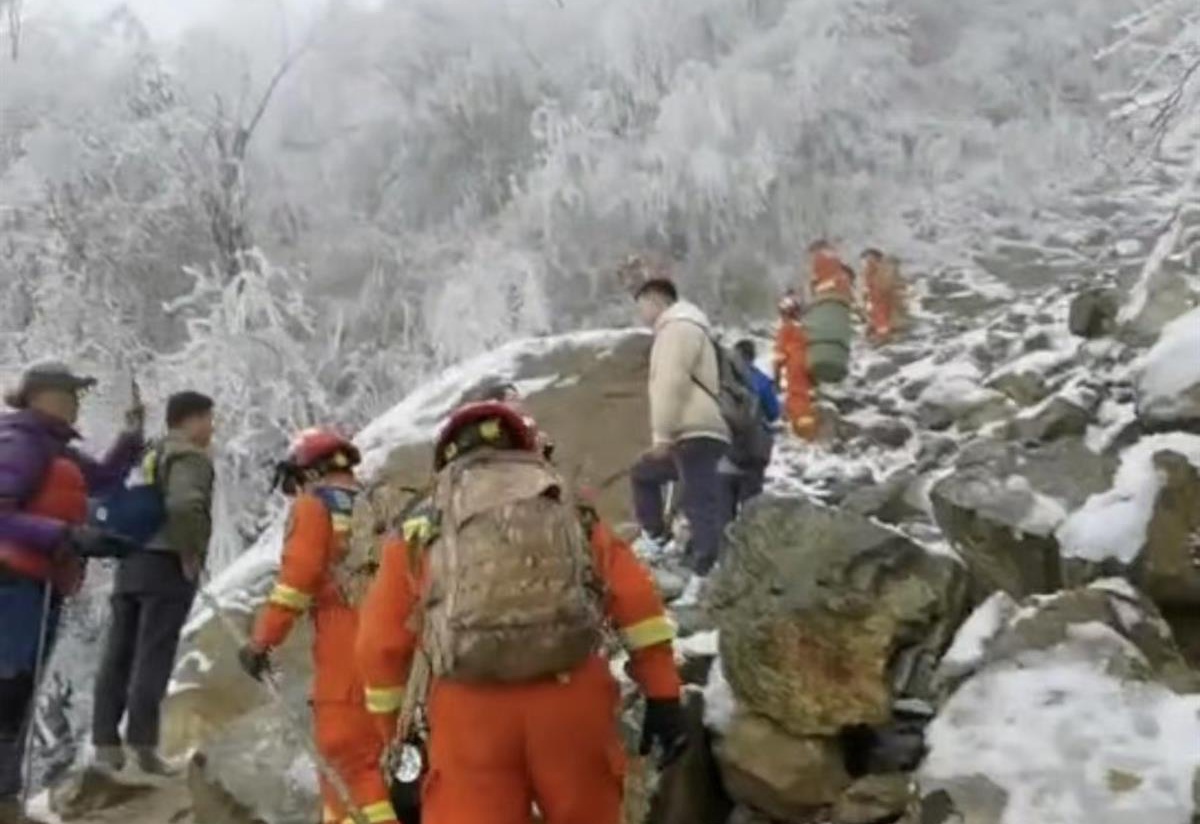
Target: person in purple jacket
(45,484)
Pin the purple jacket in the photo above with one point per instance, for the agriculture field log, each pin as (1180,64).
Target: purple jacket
(29,441)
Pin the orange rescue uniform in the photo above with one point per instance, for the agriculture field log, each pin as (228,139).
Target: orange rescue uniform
(495,749)
(882,297)
(346,735)
(791,370)
(829,278)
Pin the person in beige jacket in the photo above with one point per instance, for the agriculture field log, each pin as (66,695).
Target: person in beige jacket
(689,434)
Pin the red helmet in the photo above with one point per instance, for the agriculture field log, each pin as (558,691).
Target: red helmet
(313,453)
(484,424)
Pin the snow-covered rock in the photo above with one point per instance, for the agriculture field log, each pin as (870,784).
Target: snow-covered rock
(1168,385)
(1147,526)
(1001,505)
(1079,711)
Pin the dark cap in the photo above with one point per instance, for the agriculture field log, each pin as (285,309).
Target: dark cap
(47,376)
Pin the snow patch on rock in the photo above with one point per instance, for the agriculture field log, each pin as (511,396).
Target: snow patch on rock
(1170,369)
(1113,523)
(719,701)
(985,623)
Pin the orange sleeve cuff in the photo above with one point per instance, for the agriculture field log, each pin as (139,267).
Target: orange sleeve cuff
(655,672)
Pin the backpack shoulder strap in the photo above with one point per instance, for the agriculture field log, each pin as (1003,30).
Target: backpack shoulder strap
(339,502)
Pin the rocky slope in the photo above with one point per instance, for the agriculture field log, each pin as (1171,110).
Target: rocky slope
(975,599)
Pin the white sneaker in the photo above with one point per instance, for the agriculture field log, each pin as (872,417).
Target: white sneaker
(649,548)
(692,593)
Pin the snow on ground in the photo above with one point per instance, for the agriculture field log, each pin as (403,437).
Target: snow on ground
(1068,742)
(1113,523)
(719,701)
(1044,515)
(970,644)
(1171,368)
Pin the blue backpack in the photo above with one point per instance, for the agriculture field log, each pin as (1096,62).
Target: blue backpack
(138,512)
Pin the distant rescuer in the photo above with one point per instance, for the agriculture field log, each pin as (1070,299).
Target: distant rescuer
(493,603)
(318,473)
(154,589)
(689,434)
(44,539)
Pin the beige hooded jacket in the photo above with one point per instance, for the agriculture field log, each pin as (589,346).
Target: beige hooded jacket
(683,353)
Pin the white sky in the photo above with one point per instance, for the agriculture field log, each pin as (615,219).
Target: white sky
(163,17)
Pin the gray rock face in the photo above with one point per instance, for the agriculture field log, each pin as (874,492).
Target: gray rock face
(826,617)
(1093,314)
(788,777)
(997,510)
(1059,418)
(255,770)
(1170,293)
(1025,388)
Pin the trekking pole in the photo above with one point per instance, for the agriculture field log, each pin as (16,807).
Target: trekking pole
(299,725)
(38,671)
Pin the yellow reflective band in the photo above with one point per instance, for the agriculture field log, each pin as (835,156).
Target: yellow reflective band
(378,813)
(383,700)
(328,816)
(341,523)
(417,530)
(657,630)
(290,598)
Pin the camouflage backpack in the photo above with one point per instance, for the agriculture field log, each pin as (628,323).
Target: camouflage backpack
(510,593)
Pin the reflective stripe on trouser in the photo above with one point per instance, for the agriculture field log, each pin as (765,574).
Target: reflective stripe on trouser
(349,741)
(497,749)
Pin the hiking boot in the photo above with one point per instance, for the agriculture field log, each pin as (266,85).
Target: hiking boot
(11,813)
(109,759)
(150,763)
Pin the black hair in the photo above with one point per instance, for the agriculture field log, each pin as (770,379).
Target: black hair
(184,405)
(658,286)
(747,349)
(872,252)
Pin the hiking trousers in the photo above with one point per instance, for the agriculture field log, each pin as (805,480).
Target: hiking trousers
(139,656)
(497,749)
(693,463)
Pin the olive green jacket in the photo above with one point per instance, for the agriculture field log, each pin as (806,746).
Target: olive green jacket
(188,495)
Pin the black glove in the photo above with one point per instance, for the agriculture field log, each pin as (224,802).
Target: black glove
(663,729)
(92,542)
(255,661)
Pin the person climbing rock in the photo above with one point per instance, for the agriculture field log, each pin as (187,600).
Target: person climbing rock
(319,473)
(791,368)
(740,483)
(689,434)
(153,591)
(44,539)
(521,705)
(884,295)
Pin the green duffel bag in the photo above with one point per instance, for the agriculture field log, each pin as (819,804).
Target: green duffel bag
(830,331)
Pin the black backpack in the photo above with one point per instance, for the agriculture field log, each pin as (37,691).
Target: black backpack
(750,433)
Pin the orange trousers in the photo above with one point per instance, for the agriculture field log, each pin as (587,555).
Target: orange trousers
(791,357)
(496,750)
(880,316)
(349,741)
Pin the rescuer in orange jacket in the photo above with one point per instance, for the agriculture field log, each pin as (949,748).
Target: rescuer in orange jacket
(791,368)
(319,473)
(883,293)
(496,749)
(828,276)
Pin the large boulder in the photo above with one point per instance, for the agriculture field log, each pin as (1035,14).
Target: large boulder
(1147,527)
(1075,708)
(1002,504)
(1168,384)
(788,777)
(826,617)
(588,392)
